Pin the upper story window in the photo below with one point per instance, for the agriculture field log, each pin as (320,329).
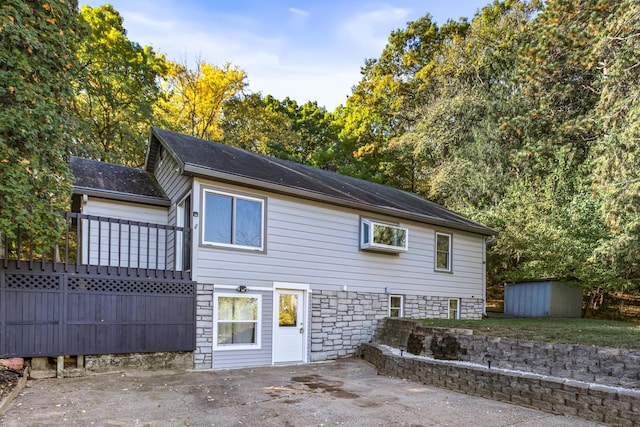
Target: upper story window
(443,252)
(233,221)
(383,237)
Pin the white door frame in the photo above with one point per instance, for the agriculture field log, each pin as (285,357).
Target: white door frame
(306,289)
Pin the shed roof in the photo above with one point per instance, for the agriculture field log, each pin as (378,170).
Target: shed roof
(117,182)
(212,160)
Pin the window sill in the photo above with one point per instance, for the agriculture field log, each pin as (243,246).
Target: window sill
(232,347)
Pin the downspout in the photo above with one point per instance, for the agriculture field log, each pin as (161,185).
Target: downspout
(486,240)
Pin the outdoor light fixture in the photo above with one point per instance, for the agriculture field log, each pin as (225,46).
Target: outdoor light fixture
(487,357)
(242,288)
(402,349)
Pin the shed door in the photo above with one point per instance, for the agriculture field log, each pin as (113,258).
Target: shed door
(290,330)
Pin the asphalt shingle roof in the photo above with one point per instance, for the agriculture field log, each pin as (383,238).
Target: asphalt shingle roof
(115,181)
(213,160)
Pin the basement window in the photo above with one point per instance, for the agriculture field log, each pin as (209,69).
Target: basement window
(379,236)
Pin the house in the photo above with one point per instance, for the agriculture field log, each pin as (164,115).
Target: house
(289,263)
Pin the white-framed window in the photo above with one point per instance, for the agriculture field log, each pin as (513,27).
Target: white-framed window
(237,322)
(183,239)
(454,308)
(396,305)
(232,220)
(443,252)
(383,237)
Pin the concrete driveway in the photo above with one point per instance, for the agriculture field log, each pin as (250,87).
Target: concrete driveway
(346,392)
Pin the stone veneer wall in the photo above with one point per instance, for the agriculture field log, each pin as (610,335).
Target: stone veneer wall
(603,365)
(203,356)
(614,406)
(342,320)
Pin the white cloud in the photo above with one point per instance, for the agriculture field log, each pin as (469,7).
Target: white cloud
(143,20)
(299,12)
(370,29)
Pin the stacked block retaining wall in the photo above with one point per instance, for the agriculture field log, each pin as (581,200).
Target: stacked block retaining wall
(602,365)
(611,405)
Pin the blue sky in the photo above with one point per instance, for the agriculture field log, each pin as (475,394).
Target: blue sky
(307,50)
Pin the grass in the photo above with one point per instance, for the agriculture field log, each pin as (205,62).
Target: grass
(590,332)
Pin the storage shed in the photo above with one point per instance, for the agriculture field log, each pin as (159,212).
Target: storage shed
(542,298)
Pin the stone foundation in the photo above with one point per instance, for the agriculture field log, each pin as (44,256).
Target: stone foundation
(341,321)
(139,361)
(203,356)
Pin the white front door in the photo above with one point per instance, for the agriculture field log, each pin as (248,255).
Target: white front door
(290,329)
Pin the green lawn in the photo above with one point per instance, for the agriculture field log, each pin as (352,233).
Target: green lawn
(601,333)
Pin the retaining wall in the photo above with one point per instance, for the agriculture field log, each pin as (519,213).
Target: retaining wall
(602,365)
(614,406)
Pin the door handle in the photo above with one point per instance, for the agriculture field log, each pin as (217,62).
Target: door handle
(302,330)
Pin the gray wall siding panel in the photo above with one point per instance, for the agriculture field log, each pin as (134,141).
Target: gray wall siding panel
(309,242)
(175,186)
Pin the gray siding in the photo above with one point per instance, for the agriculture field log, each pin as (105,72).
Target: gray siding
(238,358)
(309,242)
(175,185)
(123,245)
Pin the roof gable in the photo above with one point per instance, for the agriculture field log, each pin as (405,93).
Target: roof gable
(217,161)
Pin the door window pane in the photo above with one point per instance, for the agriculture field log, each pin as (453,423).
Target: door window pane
(288,310)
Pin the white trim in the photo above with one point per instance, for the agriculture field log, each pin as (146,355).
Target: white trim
(449,268)
(181,215)
(249,288)
(401,314)
(231,347)
(305,288)
(234,197)
(374,246)
(457,316)
(294,286)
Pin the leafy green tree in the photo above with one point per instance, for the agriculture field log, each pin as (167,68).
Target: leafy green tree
(37,64)
(463,151)
(283,129)
(193,99)
(380,108)
(117,90)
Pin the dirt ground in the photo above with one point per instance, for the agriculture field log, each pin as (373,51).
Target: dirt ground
(8,380)
(347,392)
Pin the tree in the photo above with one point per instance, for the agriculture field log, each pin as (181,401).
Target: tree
(37,47)
(283,129)
(467,89)
(380,108)
(117,91)
(193,99)
(616,54)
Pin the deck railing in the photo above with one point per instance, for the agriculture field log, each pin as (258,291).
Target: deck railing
(89,240)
